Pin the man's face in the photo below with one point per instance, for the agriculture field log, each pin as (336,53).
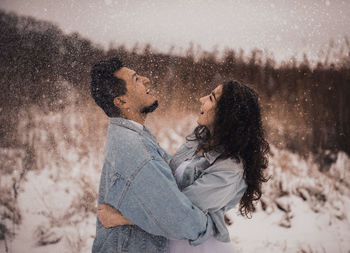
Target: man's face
(138,97)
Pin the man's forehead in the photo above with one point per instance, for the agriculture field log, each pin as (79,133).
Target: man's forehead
(124,73)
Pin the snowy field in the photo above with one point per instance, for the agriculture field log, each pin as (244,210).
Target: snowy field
(49,187)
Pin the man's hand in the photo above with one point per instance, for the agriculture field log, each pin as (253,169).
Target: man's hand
(111,217)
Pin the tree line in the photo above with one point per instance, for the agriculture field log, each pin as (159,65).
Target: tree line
(306,107)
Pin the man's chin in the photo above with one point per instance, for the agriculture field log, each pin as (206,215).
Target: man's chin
(150,108)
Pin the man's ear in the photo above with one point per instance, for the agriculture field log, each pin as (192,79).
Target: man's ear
(121,102)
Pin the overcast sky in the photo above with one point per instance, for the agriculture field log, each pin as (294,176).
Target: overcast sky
(282,27)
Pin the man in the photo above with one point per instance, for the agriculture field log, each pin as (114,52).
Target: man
(136,178)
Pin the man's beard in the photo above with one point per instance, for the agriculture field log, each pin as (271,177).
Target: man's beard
(150,108)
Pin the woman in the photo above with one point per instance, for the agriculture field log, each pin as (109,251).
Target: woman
(220,164)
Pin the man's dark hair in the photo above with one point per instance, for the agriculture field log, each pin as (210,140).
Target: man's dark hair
(105,86)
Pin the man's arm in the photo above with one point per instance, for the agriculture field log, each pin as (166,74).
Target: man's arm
(153,202)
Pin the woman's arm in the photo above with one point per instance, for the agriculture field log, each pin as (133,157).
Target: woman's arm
(111,217)
(212,191)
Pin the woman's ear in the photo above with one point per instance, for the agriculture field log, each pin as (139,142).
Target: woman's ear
(121,102)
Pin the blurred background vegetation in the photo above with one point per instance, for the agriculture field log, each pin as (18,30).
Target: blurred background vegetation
(49,120)
(306,106)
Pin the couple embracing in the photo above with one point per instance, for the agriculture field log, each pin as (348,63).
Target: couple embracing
(150,201)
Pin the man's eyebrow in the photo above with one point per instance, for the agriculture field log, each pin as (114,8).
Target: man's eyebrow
(213,94)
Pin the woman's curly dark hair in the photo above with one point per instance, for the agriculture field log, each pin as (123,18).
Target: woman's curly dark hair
(238,128)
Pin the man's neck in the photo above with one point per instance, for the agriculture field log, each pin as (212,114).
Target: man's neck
(139,118)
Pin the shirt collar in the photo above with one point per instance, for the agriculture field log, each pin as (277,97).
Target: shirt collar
(126,123)
(213,154)
(138,125)
(132,125)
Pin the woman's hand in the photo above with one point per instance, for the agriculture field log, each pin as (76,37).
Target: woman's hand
(111,217)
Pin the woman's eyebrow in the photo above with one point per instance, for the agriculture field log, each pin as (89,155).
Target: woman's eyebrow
(213,95)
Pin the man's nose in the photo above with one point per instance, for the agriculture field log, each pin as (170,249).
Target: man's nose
(145,80)
(201,100)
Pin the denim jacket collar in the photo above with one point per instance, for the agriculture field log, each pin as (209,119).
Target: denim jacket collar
(129,124)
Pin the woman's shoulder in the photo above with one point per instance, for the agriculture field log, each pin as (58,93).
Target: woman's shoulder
(229,165)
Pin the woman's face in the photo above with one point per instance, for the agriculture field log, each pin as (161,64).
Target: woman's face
(208,108)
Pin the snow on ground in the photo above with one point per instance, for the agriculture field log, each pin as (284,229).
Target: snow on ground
(302,209)
(309,232)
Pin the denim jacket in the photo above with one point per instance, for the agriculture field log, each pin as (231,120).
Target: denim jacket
(137,180)
(212,183)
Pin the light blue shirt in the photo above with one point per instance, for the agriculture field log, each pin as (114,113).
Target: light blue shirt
(212,183)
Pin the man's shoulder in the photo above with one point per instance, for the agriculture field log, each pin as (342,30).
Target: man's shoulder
(124,137)
(125,147)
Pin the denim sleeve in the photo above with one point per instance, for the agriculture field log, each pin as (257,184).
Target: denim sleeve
(153,202)
(213,191)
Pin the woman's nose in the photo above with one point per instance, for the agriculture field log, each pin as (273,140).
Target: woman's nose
(202,99)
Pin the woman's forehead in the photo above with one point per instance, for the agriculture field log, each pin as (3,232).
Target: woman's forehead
(218,90)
